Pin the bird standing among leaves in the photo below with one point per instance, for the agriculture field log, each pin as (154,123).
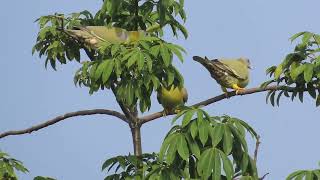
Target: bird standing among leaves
(172,98)
(229,73)
(94,36)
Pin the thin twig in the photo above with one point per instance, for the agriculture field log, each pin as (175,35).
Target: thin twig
(258,142)
(262,178)
(63,117)
(157,115)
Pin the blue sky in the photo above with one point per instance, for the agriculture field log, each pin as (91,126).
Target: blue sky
(77,147)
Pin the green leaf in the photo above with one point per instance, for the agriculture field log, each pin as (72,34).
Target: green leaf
(294,174)
(114,49)
(133,59)
(227,165)
(272,97)
(294,73)
(140,61)
(238,137)
(107,163)
(178,116)
(317,173)
(227,140)
(301,96)
(166,145)
(216,134)
(43,178)
(187,118)
(165,56)
(194,147)
(278,98)
(217,166)
(170,75)
(244,162)
(176,51)
(194,129)
(308,72)
(18,166)
(171,154)
(149,62)
(107,71)
(155,82)
(183,147)
(278,71)
(295,36)
(306,37)
(309,175)
(155,50)
(203,132)
(312,91)
(206,163)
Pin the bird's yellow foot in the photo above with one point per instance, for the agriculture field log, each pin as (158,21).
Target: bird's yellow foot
(164,113)
(237,88)
(177,111)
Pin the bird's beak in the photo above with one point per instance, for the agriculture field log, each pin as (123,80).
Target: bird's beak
(250,67)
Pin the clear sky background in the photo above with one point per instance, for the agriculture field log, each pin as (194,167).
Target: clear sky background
(77,147)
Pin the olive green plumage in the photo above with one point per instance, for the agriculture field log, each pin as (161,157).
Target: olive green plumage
(229,73)
(172,98)
(94,36)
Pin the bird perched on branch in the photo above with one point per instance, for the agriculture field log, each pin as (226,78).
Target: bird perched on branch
(94,36)
(172,98)
(229,73)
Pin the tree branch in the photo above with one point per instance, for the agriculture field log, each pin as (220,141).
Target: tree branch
(215,99)
(124,109)
(63,117)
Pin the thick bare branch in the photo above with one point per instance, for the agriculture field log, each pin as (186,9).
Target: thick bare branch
(64,117)
(212,100)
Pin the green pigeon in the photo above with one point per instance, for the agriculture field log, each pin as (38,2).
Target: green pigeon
(172,98)
(94,36)
(229,73)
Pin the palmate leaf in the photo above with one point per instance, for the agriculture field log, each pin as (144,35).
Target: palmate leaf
(304,175)
(205,137)
(209,165)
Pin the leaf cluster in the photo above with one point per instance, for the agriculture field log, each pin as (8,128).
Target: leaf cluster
(133,69)
(300,70)
(305,175)
(150,15)
(209,147)
(129,167)
(9,165)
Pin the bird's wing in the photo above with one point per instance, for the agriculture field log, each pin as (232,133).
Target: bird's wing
(184,94)
(228,68)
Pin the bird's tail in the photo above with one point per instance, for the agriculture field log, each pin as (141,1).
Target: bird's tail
(209,64)
(213,66)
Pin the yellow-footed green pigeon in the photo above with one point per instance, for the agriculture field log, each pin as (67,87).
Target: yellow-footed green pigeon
(172,98)
(93,36)
(229,73)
